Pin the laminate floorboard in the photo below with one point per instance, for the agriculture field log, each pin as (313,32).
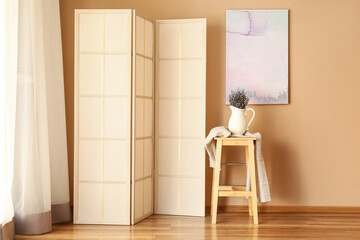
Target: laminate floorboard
(230,226)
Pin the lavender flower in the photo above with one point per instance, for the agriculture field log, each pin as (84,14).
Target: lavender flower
(238,99)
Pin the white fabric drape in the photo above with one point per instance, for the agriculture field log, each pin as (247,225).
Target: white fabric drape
(55,104)
(33,111)
(31,183)
(8,76)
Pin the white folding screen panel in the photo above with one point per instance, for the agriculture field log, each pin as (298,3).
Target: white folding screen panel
(180,117)
(114,146)
(143,120)
(102,116)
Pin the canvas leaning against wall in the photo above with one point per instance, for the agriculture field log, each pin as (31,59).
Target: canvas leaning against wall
(257,54)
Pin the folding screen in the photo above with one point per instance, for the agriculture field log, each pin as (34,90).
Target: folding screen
(143,142)
(102,116)
(180,116)
(114,142)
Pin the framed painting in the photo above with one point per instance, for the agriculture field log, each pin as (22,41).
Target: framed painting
(257,55)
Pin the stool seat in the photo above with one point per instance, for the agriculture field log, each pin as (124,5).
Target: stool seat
(235,141)
(234,190)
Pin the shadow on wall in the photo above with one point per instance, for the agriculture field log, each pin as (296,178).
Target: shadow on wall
(215,83)
(282,171)
(280,160)
(215,80)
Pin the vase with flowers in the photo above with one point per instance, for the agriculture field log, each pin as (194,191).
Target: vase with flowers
(238,101)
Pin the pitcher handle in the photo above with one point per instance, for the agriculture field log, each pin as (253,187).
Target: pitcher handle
(247,129)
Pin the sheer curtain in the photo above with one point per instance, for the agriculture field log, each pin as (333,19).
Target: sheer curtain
(8,76)
(60,207)
(38,165)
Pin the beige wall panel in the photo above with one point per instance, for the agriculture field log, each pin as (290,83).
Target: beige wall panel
(139,35)
(91,27)
(167,163)
(148,117)
(168,77)
(139,199)
(90,74)
(139,117)
(116,117)
(90,117)
(191,70)
(148,196)
(168,195)
(90,154)
(139,75)
(114,168)
(117,74)
(89,205)
(168,118)
(169,36)
(191,149)
(192,41)
(192,118)
(189,205)
(149,78)
(117,29)
(148,157)
(139,159)
(149,37)
(115,203)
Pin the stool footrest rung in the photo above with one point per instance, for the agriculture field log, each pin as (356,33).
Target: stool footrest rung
(234,164)
(232,188)
(234,193)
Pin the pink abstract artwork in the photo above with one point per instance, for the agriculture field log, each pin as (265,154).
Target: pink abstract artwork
(257,54)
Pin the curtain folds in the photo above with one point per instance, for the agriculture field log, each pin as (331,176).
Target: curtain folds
(60,206)
(8,76)
(31,183)
(37,169)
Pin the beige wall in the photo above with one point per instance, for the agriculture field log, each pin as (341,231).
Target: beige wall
(311,146)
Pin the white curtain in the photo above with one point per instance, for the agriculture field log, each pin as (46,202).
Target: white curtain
(40,187)
(8,76)
(56,111)
(31,183)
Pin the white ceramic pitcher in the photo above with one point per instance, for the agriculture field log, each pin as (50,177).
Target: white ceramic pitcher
(237,125)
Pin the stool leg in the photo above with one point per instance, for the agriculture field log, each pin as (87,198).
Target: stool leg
(216,179)
(212,192)
(248,172)
(250,206)
(253,181)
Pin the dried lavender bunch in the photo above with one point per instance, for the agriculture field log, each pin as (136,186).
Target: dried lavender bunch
(238,99)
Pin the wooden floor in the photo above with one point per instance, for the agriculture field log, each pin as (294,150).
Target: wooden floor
(230,226)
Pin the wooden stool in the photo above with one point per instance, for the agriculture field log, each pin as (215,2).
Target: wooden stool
(234,191)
